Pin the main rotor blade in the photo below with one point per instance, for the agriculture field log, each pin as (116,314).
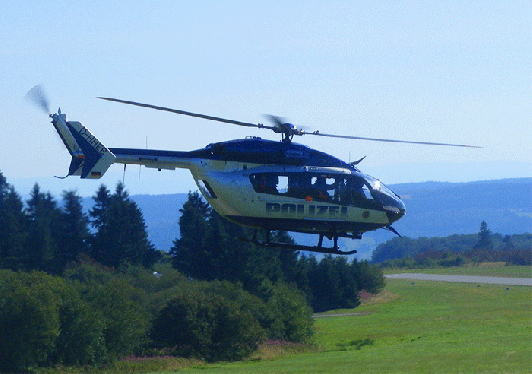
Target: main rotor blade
(317,133)
(177,111)
(37,96)
(280,125)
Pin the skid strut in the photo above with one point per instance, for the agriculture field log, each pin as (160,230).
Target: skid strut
(297,247)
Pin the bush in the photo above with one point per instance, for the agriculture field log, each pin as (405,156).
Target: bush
(81,340)
(287,315)
(119,306)
(368,277)
(333,284)
(202,325)
(43,321)
(29,321)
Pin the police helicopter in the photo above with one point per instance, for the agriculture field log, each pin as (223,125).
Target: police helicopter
(254,182)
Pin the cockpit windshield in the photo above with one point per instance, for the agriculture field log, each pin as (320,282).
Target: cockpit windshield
(388,199)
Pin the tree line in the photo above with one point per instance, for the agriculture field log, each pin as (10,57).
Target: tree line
(78,289)
(455,250)
(42,235)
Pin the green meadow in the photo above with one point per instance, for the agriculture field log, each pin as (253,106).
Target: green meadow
(410,327)
(419,327)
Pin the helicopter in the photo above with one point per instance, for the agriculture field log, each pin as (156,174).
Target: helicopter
(255,182)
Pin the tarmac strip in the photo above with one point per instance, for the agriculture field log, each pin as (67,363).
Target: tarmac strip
(463,279)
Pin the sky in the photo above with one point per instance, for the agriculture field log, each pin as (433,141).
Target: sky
(451,72)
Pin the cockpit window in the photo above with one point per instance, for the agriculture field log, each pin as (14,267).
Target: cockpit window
(342,189)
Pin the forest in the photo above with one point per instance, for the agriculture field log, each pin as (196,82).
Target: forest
(82,288)
(455,250)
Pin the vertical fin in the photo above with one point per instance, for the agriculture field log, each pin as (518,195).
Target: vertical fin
(90,158)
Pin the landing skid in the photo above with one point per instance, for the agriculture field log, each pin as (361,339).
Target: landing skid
(297,247)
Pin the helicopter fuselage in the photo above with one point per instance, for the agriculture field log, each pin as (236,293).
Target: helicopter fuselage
(280,186)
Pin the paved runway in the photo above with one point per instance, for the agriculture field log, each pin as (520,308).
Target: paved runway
(463,279)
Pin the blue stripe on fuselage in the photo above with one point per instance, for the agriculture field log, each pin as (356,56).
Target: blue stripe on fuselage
(259,151)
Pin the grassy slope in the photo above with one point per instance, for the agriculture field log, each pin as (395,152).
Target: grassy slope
(429,327)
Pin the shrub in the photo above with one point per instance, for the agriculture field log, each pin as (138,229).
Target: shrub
(43,321)
(288,316)
(202,325)
(119,306)
(29,321)
(81,339)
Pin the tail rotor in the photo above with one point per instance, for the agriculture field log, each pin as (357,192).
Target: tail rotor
(37,96)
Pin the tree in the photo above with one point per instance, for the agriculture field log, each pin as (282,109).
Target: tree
(43,232)
(13,224)
(367,277)
(484,237)
(507,243)
(81,339)
(101,203)
(188,251)
(121,235)
(333,284)
(209,249)
(288,315)
(29,324)
(74,232)
(117,305)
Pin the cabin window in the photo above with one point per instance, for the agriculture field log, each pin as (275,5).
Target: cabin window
(282,184)
(264,183)
(366,192)
(341,189)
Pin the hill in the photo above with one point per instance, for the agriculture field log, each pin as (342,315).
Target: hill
(441,209)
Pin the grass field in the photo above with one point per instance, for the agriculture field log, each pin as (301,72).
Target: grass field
(432,327)
(411,327)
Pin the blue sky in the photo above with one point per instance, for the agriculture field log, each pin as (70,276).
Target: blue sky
(454,72)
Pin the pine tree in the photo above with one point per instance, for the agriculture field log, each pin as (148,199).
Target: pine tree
(484,237)
(209,249)
(101,202)
(13,225)
(188,251)
(74,233)
(43,232)
(121,236)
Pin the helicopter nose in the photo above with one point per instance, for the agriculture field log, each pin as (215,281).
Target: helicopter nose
(396,211)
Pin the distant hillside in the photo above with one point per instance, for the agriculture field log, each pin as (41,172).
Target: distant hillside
(441,209)
(433,209)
